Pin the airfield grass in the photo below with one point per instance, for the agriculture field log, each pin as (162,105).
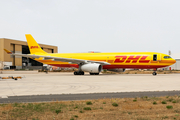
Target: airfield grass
(144,108)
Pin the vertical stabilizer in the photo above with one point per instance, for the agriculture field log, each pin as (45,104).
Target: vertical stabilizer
(33,45)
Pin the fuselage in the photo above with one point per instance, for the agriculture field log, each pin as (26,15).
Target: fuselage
(94,62)
(139,60)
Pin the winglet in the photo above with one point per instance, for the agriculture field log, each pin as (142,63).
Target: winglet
(8,52)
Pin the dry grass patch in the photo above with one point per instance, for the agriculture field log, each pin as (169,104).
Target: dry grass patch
(144,108)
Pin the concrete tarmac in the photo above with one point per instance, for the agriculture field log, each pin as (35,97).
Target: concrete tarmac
(67,83)
(70,97)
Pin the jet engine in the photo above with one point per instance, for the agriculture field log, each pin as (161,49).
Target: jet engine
(91,67)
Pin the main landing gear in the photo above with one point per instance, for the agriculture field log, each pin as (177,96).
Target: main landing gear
(79,73)
(82,73)
(94,73)
(154,73)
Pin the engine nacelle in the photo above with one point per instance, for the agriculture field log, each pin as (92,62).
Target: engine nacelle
(91,67)
(117,70)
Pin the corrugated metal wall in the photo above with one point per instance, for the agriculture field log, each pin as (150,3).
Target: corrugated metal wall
(176,66)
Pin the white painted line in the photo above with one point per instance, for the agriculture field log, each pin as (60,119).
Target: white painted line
(4,96)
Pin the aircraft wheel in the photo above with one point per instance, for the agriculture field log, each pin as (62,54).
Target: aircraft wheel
(82,73)
(91,73)
(94,73)
(79,73)
(154,73)
(75,73)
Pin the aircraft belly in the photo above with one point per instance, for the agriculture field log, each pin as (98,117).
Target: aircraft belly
(150,65)
(133,66)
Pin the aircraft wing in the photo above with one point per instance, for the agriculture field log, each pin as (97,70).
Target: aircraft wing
(71,60)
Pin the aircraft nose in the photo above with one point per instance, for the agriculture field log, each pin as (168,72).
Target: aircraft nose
(173,61)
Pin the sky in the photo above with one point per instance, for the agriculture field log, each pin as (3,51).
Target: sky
(95,25)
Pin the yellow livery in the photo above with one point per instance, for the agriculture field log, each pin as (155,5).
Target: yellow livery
(95,62)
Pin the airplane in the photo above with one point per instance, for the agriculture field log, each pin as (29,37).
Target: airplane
(95,62)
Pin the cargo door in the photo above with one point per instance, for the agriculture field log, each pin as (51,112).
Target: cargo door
(156,57)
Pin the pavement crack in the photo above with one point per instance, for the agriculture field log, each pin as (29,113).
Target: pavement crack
(10,87)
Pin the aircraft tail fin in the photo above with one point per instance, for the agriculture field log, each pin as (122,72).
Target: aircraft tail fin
(33,45)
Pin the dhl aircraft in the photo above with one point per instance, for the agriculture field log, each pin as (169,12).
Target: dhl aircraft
(95,62)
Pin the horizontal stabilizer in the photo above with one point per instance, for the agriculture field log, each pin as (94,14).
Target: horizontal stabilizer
(8,52)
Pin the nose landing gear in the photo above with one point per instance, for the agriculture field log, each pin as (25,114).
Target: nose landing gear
(154,73)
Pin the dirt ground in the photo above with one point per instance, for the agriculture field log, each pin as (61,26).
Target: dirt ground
(144,108)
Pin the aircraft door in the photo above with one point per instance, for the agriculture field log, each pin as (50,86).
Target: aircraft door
(156,57)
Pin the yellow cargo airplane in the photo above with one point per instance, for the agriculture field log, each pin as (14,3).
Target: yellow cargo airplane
(95,62)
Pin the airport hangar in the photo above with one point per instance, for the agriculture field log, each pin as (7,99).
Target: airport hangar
(17,62)
(175,66)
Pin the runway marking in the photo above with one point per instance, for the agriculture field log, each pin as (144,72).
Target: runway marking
(70,97)
(4,97)
(10,87)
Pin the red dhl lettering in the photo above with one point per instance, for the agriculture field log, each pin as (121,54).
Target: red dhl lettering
(132,59)
(32,47)
(120,59)
(143,60)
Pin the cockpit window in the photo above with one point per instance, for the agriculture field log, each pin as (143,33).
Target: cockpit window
(166,57)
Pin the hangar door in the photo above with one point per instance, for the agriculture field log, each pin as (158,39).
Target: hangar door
(177,64)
